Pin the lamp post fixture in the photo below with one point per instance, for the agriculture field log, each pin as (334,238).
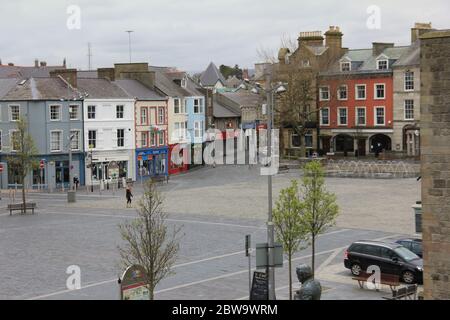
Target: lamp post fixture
(270,92)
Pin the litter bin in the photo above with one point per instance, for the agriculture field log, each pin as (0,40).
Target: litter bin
(418,216)
(71,196)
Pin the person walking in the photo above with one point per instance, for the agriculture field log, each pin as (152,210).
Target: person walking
(128,195)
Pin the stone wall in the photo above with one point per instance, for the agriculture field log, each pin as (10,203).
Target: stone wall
(435,156)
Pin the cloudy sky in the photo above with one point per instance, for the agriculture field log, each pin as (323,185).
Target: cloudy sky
(191,33)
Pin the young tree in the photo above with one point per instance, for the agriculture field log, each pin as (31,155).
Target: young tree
(148,242)
(23,158)
(288,227)
(319,207)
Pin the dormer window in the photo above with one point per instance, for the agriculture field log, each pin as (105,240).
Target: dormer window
(346,66)
(183,82)
(382,64)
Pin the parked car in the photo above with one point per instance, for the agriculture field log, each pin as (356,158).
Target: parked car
(415,245)
(391,258)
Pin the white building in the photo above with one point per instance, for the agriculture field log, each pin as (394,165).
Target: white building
(109,131)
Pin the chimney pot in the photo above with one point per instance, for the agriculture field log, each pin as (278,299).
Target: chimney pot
(36,63)
(10,64)
(43,64)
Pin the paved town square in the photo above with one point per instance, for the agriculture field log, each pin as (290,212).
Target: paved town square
(37,249)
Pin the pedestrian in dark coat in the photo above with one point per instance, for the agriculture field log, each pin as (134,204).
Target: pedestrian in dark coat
(128,195)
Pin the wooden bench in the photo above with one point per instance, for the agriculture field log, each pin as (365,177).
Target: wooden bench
(390,280)
(19,206)
(408,292)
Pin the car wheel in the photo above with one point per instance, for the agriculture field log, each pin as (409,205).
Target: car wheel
(356,269)
(408,277)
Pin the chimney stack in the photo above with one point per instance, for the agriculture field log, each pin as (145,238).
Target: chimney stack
(70,75)
(135,71)
(419,29)
(106,73)
(36,63)
(379,47)
(311,38)
(10,64)
(333,38)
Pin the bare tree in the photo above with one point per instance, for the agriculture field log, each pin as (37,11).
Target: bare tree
(295,107)
(23,158)
(148,241)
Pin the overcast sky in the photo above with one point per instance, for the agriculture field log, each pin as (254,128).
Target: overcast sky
(191,33)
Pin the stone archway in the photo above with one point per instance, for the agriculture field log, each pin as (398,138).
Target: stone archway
(379,143)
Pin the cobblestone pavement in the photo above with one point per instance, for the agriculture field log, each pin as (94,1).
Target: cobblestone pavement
(240,192)
(36,250)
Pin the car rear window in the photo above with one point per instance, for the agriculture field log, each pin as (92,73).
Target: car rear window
(356,248)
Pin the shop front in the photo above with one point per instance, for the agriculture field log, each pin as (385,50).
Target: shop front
(50,172)
(109,166)
(175,168)
(152,162)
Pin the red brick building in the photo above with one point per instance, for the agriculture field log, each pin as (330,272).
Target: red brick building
(355,99)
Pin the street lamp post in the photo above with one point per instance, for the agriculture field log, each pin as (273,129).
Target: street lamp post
(70,192)
(269,91)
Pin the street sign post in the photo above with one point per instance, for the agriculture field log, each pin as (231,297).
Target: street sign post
(248,239)
(262,256)
(1,180)
(133,284)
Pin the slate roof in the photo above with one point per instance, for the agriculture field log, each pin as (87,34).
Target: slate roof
(27,72)
(101,89)
(244,98)
(233,82)
(220,110)
(364,61)
(411,57)
(40,89)
(165,84)
(137,90)
(211,75)
(6,85)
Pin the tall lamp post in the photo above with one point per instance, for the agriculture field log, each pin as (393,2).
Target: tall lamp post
(270,92)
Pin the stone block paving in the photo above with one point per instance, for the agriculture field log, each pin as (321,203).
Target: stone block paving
(216,213)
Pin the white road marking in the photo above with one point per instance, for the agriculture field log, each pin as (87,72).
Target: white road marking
(169,219)
(186,264)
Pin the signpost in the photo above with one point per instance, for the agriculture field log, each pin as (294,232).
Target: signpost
(1,180)
(41,172)
(133,284)
(248,254)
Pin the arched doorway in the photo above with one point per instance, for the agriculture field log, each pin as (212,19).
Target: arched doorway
(380,143)
(343,143)
(411,140)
